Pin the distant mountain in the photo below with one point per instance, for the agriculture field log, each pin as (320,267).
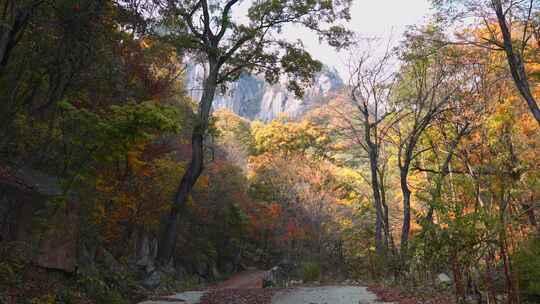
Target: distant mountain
(253,98)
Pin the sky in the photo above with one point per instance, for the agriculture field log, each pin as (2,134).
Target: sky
(383,19)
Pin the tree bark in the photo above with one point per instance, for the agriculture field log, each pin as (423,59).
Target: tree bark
(458,278)
(168,240)
(488,277)
(386,226)
(513,296)
(12,24)
(370,130)
(379,222)
(406,211)
(515,62)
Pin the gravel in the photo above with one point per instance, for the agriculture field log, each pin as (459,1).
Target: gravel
(188,297)
(325,295)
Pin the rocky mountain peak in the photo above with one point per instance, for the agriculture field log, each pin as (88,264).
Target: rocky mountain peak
(253,98)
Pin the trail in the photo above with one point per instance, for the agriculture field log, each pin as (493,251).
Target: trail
(325,295)
(246,288)
(249,280)
(243,280)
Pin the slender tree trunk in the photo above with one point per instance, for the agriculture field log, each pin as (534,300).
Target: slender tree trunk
(12,24)
(168,240)
(490,271)
(528,208)
(503,247)
(379,245)
(458,278)
(515,62)
(445,170)
(373,155)
(387,236)
(406,192)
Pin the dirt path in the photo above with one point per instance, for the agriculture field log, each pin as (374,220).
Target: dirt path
(238,288)
(243,280)
(246,288)
(325,295)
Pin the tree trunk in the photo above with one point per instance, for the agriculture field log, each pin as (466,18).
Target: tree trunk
(379,222)
(386,222)
(458,278)
(12,25)
(488,278)
(513,297)
(515,62)
(168,240)
(373,155)
(406,211)
(445,170)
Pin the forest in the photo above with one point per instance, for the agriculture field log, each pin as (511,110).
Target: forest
(141,152)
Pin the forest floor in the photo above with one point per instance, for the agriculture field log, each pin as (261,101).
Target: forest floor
(246,288)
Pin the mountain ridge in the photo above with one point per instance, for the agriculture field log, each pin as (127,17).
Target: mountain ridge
(253,98)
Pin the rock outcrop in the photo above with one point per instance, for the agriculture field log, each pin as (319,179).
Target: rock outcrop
(253,98)
(24,194)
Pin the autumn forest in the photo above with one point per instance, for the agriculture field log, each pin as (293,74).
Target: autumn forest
(158,147)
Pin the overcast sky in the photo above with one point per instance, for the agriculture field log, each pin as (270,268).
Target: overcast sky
(383,19)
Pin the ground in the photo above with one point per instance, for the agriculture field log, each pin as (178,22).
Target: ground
(246,288)
(244,280)
(325,295)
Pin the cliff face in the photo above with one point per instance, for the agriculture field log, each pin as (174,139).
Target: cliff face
(253,98)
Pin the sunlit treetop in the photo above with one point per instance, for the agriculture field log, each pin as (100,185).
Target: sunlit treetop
(207,30)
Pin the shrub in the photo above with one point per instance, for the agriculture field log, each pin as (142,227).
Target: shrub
(527,264)
(310,271)
(98,290)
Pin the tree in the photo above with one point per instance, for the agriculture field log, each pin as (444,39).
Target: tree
(513,19)
(59,52)
(228,48)
(15,17)
(428,82)
(234,138)
(515,54)
(370,93)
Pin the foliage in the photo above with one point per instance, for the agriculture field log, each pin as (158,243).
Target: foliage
(293,137)
(527,263)
(436,146)
(310,271)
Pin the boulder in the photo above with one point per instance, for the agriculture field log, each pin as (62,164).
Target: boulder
(24,197)
(443,278)
(275,277)
(25,194)
(228,267)
(146,250)
(143,251)
(152,280)
(215,272)
(58,244)
(279,275)
(269,279)
(287,265)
